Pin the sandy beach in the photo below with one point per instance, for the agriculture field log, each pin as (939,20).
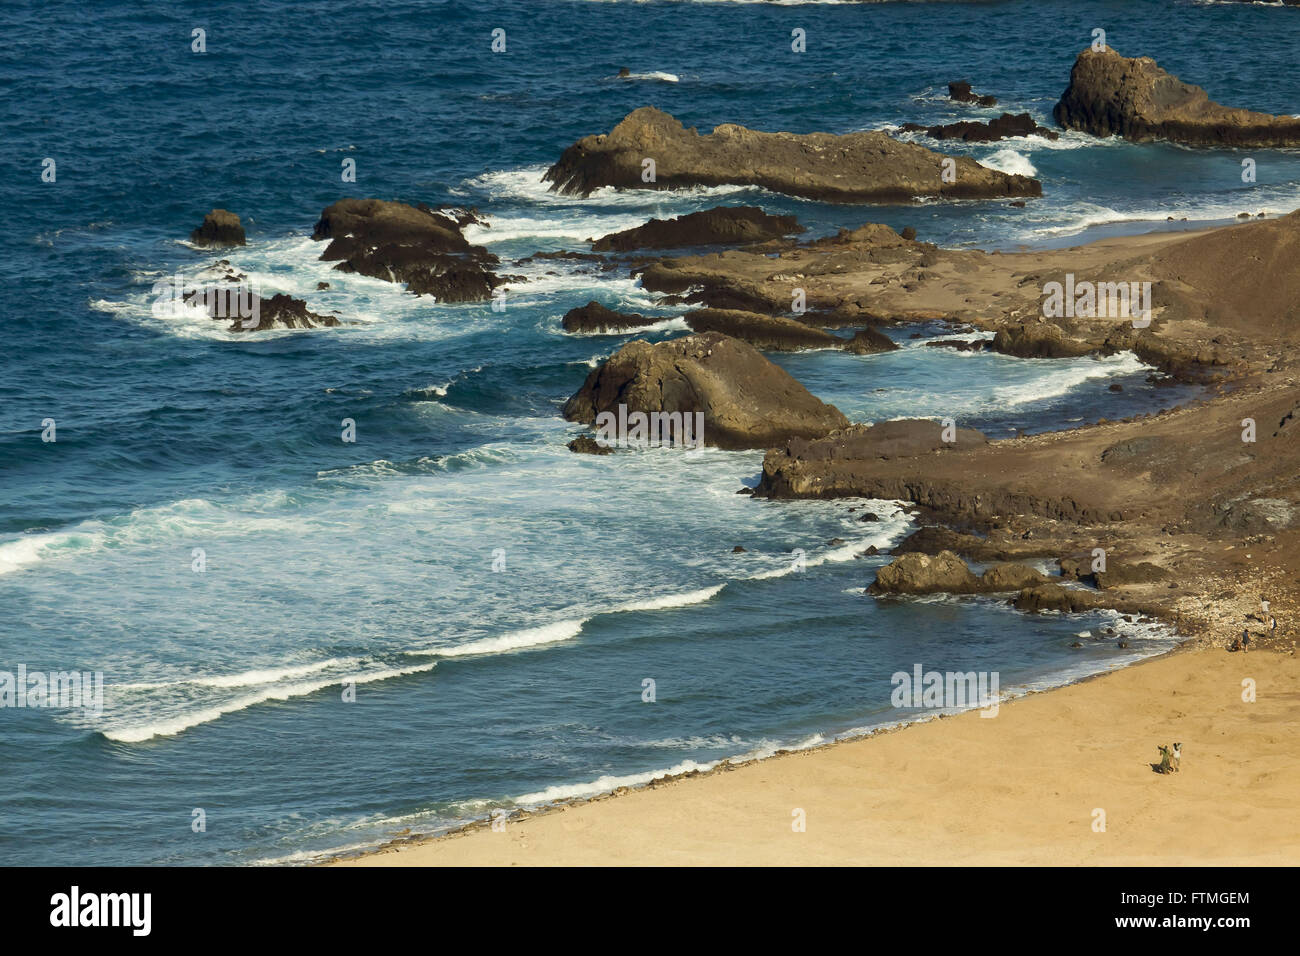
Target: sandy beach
(1024,787)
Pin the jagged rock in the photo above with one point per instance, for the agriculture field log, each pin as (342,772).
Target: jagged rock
(415,245)
(969,131)
(854,167)
(219,228)
(716,226)
(747,402)
(586,445)
(594,317)
(916,573)
(960,91)
(1114,95)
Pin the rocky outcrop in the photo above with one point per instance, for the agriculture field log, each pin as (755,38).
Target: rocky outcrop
(960,91)
(219,228)
(228,299)
(771,333)
(1114,95)
(396,242)
(1038,340)
(833,465)
(747,402)
(850,168)
(969,131)
(718,226)
(917,573)
(594,317)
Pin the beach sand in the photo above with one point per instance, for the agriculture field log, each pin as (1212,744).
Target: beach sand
(1023,787)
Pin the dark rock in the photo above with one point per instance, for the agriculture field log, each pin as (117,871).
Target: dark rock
(969,131)
(219,228)
(960,91)
(717,226)
(594,317)
(586,445)
(401,243)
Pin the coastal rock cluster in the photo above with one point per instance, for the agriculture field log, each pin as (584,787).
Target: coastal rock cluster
(417,246)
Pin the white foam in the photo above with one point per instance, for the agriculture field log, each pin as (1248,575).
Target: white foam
(515,640)
(653,75)
(674,600)
(171,726)
(1010,161)
(250,678)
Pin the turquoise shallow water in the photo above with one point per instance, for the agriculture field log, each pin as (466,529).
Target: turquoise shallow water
(499,600)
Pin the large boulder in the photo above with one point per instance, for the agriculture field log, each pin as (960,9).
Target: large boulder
(717,226)
(221,227)
(1010,576)
(1114,95)
(747,402)
(402,243)
(854,167)
(917,573)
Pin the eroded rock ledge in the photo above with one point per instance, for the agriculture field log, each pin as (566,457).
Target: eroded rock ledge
(850,168)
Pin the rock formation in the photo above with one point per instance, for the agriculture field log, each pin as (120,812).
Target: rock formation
(854,167)
(747,402)
(1114,95)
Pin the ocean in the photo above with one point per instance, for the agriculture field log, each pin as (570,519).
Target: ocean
(312,645)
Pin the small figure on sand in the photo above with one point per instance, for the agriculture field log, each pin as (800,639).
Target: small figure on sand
(1245,640)
(1170,757)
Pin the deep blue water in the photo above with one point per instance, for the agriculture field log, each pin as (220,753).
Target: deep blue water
(374,560)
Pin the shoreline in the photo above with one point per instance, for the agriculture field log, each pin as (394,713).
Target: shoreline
(1138,485)
(1178,643)
(668,821)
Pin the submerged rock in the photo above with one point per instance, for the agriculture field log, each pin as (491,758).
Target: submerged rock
(401,243)
(219,228)
(854,167)
(747,402)
(717,226)
(1114,95)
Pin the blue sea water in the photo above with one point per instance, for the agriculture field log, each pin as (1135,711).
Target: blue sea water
(498,601)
